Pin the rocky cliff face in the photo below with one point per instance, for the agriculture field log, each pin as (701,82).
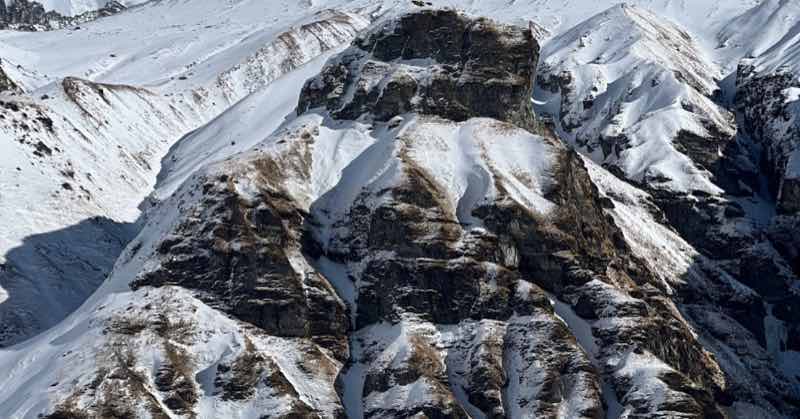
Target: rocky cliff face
(770,112)
(438,63)
(768,103)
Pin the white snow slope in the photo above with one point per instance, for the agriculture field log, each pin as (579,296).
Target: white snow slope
(636,81)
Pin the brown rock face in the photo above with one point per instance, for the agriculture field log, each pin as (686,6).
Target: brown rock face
(435,62)
(237,254)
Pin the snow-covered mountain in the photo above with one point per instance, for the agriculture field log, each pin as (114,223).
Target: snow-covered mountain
(629,86)
(85,138)
(353,208)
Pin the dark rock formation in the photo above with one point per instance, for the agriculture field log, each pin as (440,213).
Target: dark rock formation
(771,121)
(237,254)
(436,62)
(7,84)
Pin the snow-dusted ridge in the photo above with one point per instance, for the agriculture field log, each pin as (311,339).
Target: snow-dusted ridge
(628,84)
(82,155)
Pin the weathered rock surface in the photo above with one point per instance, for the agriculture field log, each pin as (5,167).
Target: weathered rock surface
(242,256)
(7,84)
(771,117)
(436,62)
(617,115)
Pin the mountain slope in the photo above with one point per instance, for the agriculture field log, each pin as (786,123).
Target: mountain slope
(401,247)
(388,230)
(629,103)
(648,109)
(81,156)
(778,21)
(766,97)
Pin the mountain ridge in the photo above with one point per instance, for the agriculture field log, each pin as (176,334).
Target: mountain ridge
(383,241)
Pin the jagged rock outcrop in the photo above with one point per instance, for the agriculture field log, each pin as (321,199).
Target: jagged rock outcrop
(644,108)
(769,105)
(768,102)
(242,256)
(7,84)
(435,62)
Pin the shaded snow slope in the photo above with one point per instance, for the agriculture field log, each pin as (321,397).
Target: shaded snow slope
(772,66)
(75,164)
(768,82)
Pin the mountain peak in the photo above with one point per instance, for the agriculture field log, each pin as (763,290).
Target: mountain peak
(628,35)
(412,64)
